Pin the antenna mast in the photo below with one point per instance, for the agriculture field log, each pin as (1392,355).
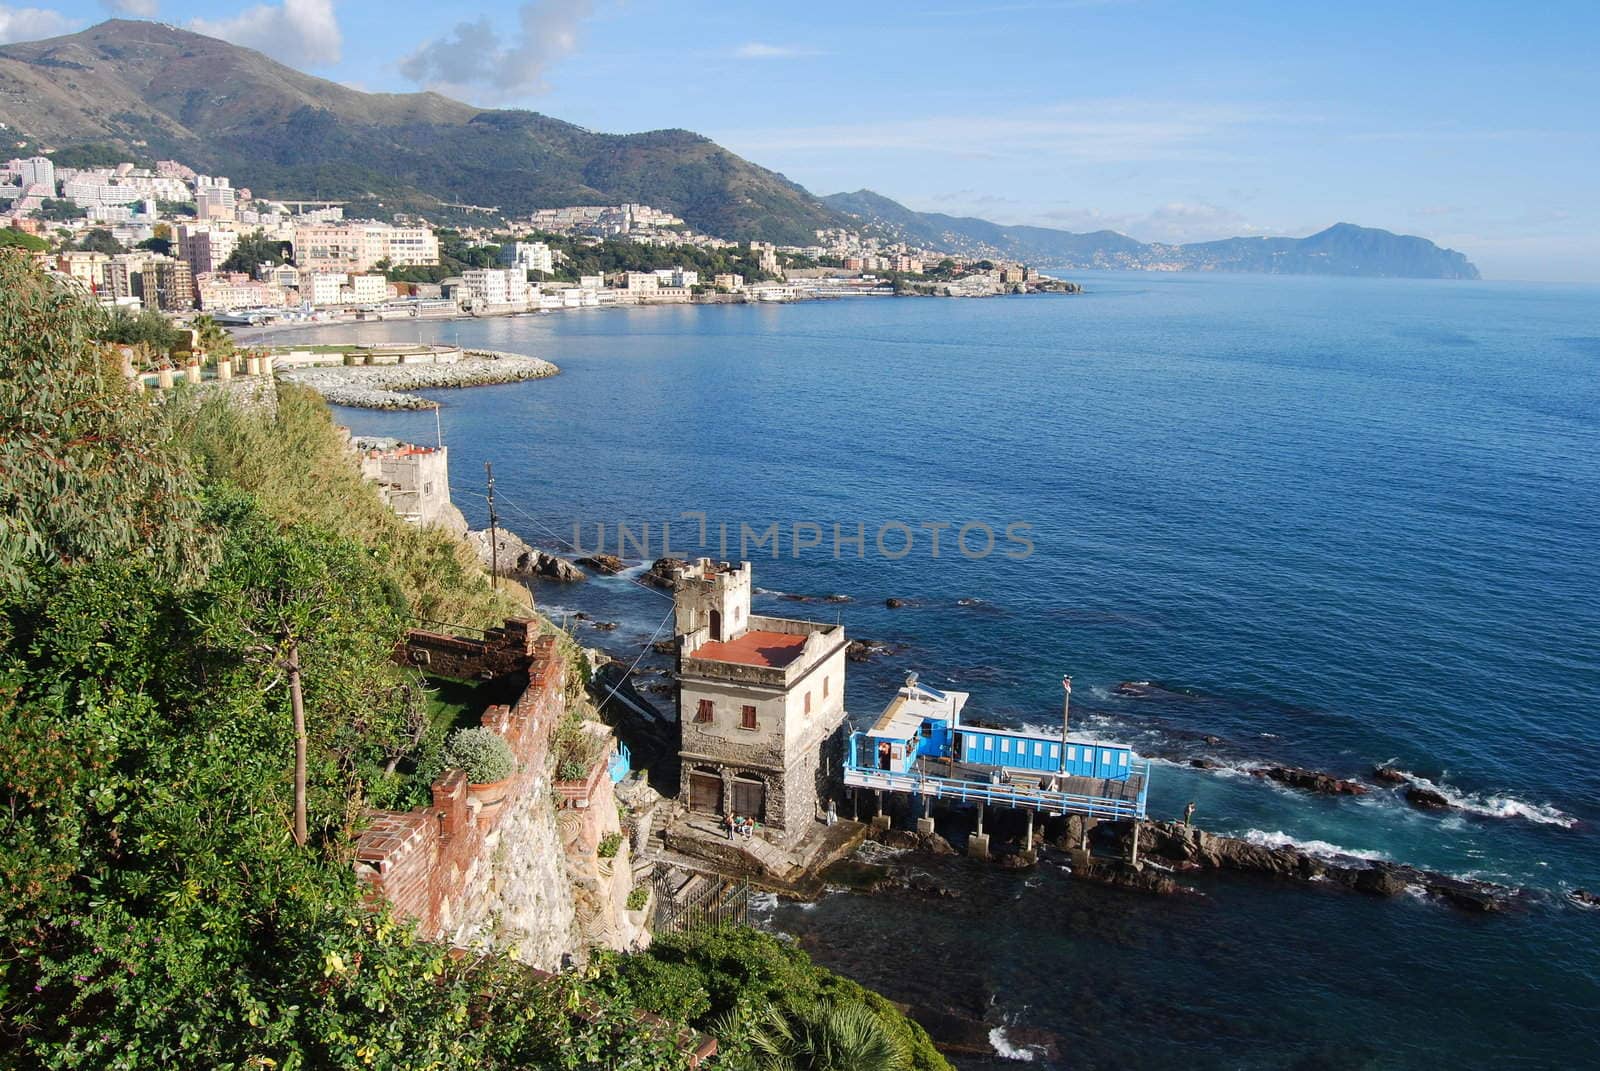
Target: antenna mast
(494,535)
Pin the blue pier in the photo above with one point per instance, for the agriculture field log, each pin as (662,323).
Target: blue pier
(920,747)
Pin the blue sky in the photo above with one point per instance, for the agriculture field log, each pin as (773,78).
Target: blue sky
(1473,124)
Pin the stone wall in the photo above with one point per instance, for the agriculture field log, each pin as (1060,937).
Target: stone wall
(492,863)
(600,885)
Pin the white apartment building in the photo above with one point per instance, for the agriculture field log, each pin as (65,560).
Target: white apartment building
(215,202)
(322,288)
(677,277)
(368,289)
(38,171)
(357,247)
(529,256)
(496,286)
(642,281)
(591,282)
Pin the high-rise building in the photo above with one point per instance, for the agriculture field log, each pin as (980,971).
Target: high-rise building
(39,171)
(168,285)
(205,248)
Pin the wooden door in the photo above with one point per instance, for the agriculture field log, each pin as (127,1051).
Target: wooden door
(750,799)
(705,792)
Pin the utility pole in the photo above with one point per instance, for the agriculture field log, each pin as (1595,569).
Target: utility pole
(1066,711)
(494,535)
(297,704)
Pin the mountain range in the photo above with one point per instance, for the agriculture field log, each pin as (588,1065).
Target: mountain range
(1342,249)
(143,90)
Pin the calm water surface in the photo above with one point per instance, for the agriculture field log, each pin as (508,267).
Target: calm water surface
(1341,522)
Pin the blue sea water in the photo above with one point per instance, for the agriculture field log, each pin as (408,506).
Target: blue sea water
(1337,522)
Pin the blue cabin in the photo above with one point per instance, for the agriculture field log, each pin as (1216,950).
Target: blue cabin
(920,744)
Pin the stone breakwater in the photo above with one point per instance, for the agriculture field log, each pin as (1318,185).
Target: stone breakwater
(385,386)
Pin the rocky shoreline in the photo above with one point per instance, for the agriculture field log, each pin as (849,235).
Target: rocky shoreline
(385,386)
(1171,850)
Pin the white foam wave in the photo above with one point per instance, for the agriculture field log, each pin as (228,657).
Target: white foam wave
(1494,805)
(1321,848)
(1007,1051)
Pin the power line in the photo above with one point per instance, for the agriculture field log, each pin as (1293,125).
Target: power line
(536,522)
(642,651)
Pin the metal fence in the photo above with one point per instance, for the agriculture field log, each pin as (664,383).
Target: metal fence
(712,902)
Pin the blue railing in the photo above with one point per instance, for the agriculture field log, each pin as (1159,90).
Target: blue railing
(1001,793)
(621,762)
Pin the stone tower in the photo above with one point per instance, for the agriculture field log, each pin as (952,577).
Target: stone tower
(758,698)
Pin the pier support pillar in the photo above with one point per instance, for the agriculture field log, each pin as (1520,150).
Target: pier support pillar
(1134,855)
(980,818)
(925,827)
(978,846)
(880,821)
(1027,840)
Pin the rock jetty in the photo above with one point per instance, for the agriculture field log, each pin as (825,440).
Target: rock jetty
(385,386)
(519,561)
(1188,848)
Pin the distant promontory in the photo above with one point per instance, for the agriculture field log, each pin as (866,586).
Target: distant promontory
(1342,249)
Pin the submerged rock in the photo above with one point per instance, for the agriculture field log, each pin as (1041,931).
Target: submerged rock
(868,650)
(609,564)
(1311,780)
(1426,798)
(1388,775)
(1191,848)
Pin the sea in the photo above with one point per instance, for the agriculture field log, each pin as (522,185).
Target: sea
(1325,522)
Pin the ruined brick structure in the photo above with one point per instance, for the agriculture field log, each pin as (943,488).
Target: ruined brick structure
(502,651)
(758,698)
(432,863)
(517,862)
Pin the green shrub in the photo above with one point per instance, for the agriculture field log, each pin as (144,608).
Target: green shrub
(482,753)
(638,897)
(610,844)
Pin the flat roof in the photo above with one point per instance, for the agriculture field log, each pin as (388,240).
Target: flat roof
(757,647)
(900,720)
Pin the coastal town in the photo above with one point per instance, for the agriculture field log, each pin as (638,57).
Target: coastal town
(168,239)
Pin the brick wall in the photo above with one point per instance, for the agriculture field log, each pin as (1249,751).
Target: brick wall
(433,864)
(503,650)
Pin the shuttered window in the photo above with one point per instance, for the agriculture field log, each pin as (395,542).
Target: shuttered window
(748,721)
(703,711)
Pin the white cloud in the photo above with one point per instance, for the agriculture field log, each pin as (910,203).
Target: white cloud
(143,9)
(474,53)
(32,23)
(297,32)
(760,50)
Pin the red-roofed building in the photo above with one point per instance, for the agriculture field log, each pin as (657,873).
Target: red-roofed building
(758,698)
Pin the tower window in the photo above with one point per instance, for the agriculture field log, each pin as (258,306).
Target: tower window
(824,687)
(703,712)
(808,701)
(749,718)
